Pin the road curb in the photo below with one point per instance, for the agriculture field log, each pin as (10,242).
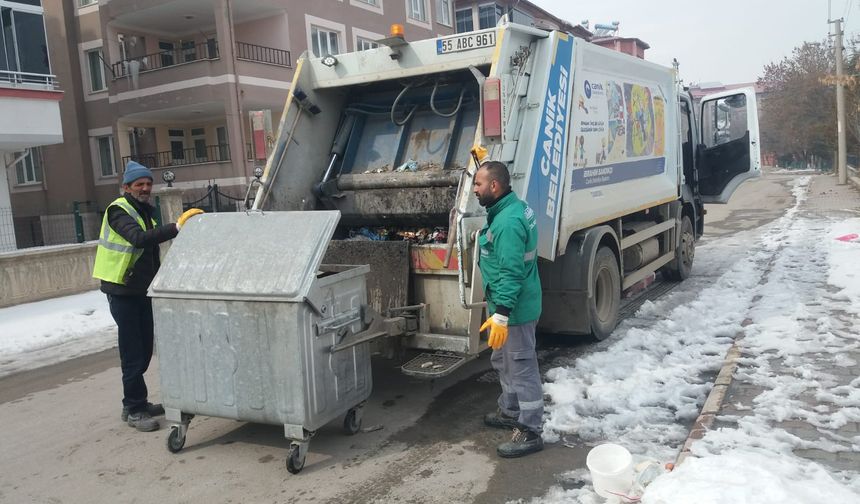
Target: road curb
(714,401)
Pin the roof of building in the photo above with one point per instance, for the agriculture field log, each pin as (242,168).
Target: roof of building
(641,43)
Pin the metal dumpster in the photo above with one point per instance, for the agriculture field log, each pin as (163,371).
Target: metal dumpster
(247,325)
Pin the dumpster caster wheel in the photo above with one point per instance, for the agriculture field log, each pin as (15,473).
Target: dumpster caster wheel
(352,422)
(175,440)
(295,460)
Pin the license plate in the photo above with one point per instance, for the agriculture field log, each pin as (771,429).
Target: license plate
(466,42)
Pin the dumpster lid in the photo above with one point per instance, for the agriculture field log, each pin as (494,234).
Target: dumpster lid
(246,256)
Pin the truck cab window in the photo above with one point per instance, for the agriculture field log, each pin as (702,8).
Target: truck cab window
(687,139)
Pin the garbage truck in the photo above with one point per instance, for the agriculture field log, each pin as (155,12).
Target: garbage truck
(610,152)
(360,230)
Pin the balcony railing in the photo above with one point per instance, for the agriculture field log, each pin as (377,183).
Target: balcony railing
(28,80)
(182,157)
(262,54)
(167,58)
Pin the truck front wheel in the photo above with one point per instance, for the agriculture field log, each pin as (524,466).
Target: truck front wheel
(605,294)
(682,265)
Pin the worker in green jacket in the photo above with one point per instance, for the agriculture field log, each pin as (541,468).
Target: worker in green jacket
(508,263)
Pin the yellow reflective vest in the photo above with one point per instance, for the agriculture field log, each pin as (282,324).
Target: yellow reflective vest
(115,256)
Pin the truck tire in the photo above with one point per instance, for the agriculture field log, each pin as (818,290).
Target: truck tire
(680,267)
(606,294)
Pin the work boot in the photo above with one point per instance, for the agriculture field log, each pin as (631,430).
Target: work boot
(523,442)
(499,420)
(152,409)
(143,421)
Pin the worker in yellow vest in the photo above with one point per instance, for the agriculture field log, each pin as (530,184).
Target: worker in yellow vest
(127,259)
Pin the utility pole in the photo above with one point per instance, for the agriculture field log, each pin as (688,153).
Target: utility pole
(840,108)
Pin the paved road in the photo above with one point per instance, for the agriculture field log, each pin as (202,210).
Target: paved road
(63,441)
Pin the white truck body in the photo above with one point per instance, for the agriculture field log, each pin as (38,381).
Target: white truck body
(603,146)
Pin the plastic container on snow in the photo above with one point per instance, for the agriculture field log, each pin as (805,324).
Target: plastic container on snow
(611,468)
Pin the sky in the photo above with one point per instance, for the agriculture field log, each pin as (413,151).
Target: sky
(729,41)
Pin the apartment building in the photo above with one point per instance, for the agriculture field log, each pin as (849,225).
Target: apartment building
(29,105)
(479,14)
(194,89)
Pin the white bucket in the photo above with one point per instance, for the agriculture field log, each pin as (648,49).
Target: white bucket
(611,468)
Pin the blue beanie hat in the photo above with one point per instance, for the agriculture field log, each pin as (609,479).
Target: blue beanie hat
(134,171)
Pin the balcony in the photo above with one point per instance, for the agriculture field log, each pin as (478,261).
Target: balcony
(182,157)
(31,110)
(262,54)
(205,51)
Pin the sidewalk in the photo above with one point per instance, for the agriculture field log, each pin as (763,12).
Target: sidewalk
(789,393)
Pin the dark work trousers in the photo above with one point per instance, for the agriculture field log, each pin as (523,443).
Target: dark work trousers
(133,317)
(516,363)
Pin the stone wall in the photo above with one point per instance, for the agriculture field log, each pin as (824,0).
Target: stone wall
(45,272)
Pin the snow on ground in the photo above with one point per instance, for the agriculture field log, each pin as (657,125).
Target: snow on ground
(651,379)
(45,332)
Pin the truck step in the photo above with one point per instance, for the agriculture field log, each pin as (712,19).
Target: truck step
(434,365)
(629,307)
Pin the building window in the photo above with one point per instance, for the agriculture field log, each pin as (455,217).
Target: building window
(84,3)
(324,41)
(374,3)
(97,72)
(29,168)
(443,12)
(464,20)
(520,17)
(23,45)
(417,10)
(168,49)
(177,145)
(363,44)
(198,139)
(488,15)
(189,51)
(104,144)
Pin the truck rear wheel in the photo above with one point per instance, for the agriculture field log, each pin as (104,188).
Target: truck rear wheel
(682,265)
(606,294)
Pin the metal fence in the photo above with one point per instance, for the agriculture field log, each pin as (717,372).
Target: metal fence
(212,199)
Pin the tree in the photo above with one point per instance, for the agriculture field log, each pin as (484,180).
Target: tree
(798,114)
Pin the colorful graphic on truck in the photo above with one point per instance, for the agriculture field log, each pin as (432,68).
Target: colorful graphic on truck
(640,120)
(618,132)
(548,161)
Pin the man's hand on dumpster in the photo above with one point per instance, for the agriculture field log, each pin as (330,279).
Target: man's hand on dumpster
(498,325)
(191,212)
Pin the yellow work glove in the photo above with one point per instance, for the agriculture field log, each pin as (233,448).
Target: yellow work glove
(191,212)
(498,325)
(479,153)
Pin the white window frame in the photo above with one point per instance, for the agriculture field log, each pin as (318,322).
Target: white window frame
(471,15)
(101,70)
(440,9)
(312,22)
(359,34)
(425,23)
(496,6)
(176,138)
(98,156)
(23,164)
(87,3)
(371,5)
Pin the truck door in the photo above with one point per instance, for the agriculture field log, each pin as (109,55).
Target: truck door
(729,144)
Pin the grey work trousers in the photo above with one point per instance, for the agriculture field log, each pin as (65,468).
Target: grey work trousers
(516,363)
